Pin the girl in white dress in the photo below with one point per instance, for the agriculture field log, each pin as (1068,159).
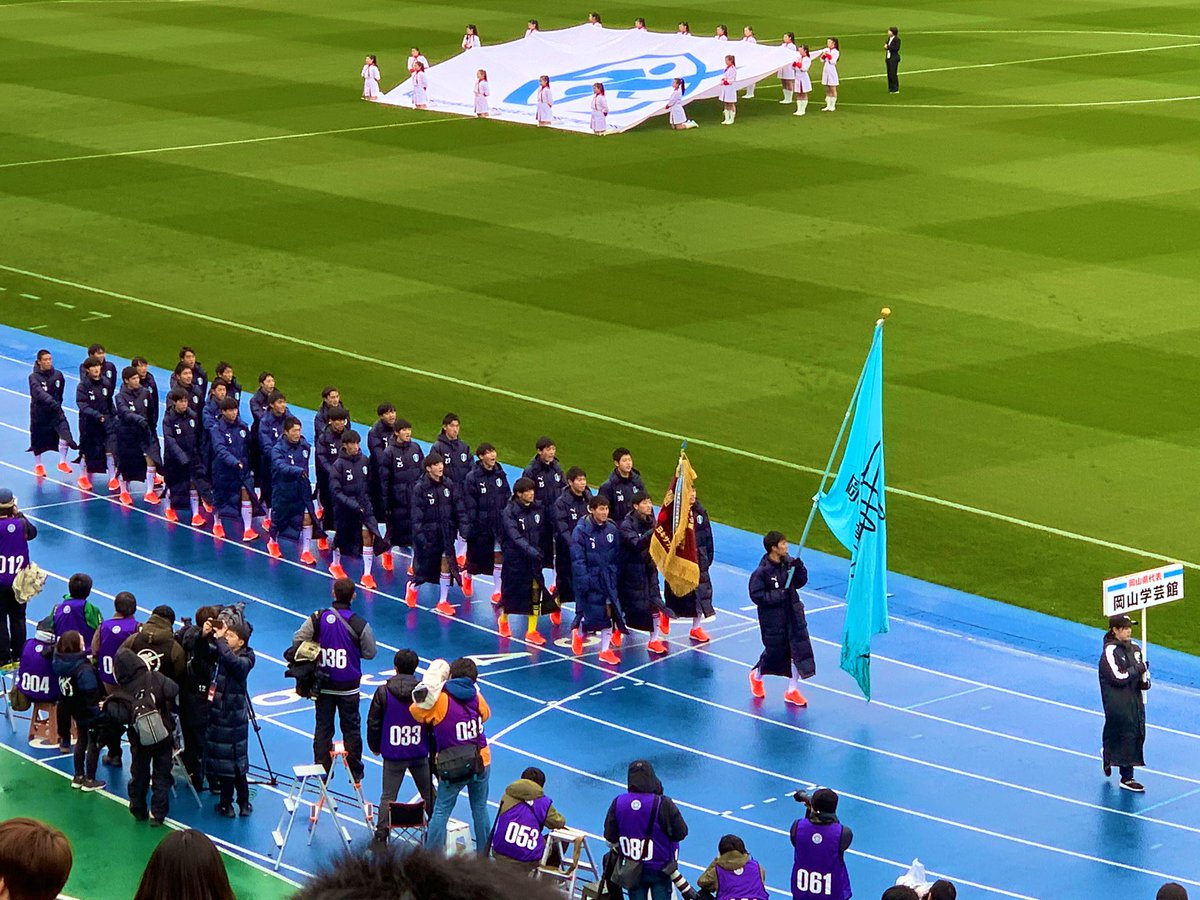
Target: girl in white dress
(370,77)
(684,30)
(639,24)
(594,20)
(599,109)
(420,87)
(722,33)
(676,114)
(471,40)
(749,38)
(545,102)
(414,57)
(787,75)
(728,95)
(531,28)
(829,73)
(481,94)
(803,81)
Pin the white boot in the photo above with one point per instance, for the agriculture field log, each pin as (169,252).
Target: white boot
(725,120)
(732,115)
(832,103)
(801,106)
(787,96)
(691,124)
(828,104)
(750,92)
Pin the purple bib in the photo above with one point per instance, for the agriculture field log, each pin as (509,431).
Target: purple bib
(745,883)
(113,634)
(403,736)
(819,870)
(518,832)
(70,616)
(35,676)
(463,725)
(633,814)
(14,550)
(341,658)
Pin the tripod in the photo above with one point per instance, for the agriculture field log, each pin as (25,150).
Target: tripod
(263,774)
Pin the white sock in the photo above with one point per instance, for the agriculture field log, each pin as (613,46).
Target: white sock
(337,557)
(306,539)
(833,102)
(150,476)
(787,96)
(443,587)
(368,559)
(697,620)
(497,574)
(124,485)
(62,450)
(246,517)
(37,459)
(195,498)
(605,640)
(750,94)
(112,467)
(460,547)
(793,682)
(732,115)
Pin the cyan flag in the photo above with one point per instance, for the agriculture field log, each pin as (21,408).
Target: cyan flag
(854,508)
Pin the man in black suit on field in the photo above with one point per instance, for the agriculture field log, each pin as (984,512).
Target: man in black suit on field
(892,59)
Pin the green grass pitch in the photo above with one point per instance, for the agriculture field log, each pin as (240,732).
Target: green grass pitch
(1037,241)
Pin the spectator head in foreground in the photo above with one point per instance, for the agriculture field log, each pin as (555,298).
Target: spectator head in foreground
(419,875)
(1172,891)
(900,892)
(185,866)
(942,890)
(35,860)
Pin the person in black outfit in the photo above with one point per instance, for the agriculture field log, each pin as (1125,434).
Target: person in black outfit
(12,614)
(891,58)
(227,738)
(200,651)
(151,769)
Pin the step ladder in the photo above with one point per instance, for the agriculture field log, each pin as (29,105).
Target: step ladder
(339,752)
(179,770)
(312,779)
(5,687)
(574,859)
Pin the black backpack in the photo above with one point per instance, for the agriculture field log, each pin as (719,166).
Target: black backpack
(148,723)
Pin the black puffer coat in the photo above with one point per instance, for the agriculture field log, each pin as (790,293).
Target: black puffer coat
(226,750)
(775,590)
(1124,677)
(637,581)
(483,495)
(434,525)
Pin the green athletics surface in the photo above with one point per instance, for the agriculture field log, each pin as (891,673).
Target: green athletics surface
(110,848)
(1027,206)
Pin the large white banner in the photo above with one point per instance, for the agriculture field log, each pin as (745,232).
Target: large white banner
(636,68)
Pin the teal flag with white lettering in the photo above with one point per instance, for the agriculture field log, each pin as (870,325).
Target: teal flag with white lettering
(855,510)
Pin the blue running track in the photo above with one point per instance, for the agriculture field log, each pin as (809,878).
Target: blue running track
(979,753)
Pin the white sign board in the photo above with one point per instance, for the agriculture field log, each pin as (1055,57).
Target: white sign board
(1141,590)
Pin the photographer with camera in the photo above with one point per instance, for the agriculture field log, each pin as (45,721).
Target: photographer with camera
(644,828)
(228,735)
(734,874)
(820,843)
(345,640)
(143,703)
(787,650)
(463,757)
(200,653)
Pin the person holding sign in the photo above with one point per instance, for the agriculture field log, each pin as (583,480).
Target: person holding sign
(1124,677)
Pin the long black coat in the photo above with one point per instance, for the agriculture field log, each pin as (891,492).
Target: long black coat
(352,510)
(775,590)
(435,525)
(183,459)
(227,742)
(595,560)
(483,496)
(401,471)
(47,421)
(135,436)
(548,482)
(699,601)
(568,509)
(94,399)
(1122,684)
(521,545)
(637,581)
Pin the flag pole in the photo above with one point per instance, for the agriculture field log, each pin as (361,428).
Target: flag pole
(678,472)
(883,314)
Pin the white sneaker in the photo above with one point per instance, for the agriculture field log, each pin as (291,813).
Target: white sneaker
(691,124)
(798,113)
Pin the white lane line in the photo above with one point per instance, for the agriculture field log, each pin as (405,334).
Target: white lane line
(578,411)
(1068,105)
(291,136)
(29,509)
(946,697)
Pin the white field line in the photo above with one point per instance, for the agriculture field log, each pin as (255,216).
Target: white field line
(584,413)
(147,151)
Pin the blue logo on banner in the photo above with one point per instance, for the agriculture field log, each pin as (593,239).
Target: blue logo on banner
(626,82)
